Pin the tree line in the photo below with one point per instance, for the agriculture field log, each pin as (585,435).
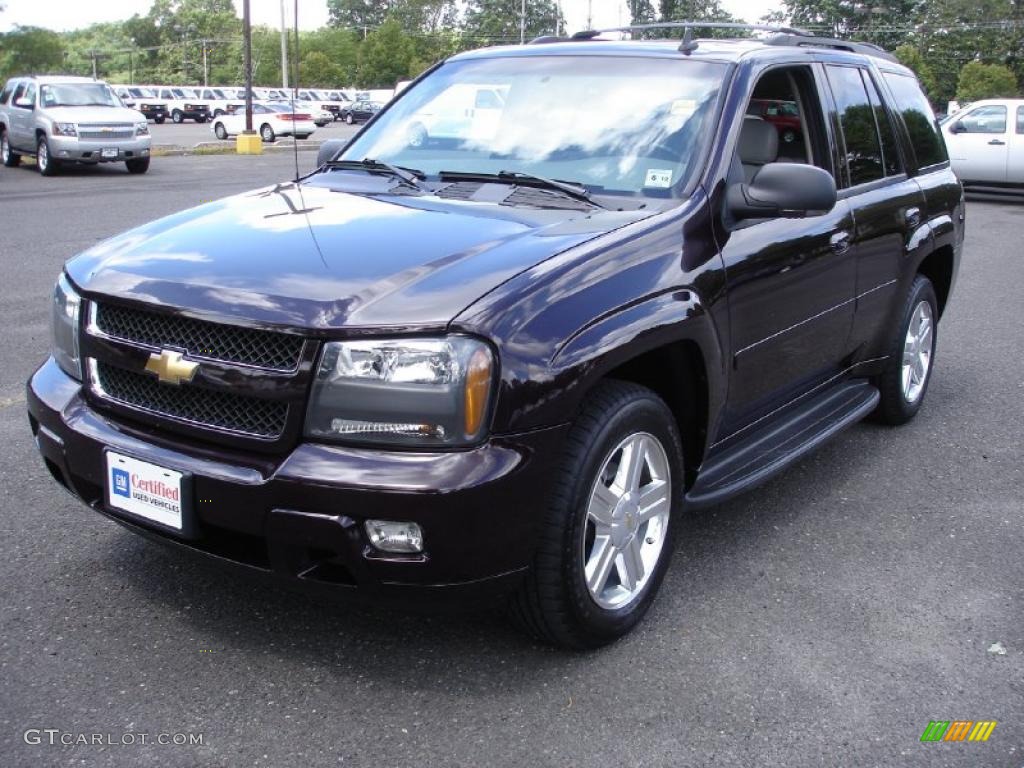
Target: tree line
(965,49)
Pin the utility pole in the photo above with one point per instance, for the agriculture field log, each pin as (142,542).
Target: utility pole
(522,23)
(95,55)
(247,63)
(206,67)
(590,14)
(284,49)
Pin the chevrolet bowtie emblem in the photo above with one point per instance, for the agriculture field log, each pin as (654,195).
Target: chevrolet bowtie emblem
(170,368)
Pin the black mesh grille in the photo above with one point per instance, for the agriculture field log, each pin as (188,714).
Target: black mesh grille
(219,410)
(459,190)
(230,343)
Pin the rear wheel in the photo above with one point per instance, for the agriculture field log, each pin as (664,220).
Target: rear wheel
(220,131)
(789,136)
(44,162)
(177,116)
(267,133)
(9,157)
(159,120)
(201,119)
(606,535)
(908,369)
(301,136)
(349,119)
(137,165)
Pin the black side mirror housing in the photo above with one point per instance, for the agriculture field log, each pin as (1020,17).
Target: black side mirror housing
(783,190)
(957,127)
(328,150)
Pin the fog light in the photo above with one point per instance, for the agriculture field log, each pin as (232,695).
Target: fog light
(394,536)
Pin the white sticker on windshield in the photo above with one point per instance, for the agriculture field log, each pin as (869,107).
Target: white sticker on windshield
(658,178)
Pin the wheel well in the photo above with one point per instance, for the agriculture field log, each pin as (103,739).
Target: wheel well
(938,267)
(676,372)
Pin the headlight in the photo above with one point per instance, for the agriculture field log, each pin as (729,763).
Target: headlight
(410,392)
(65,129)
(64,321)
(142,129)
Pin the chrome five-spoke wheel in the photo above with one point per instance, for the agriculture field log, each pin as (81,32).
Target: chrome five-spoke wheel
(917,352)
(627,518)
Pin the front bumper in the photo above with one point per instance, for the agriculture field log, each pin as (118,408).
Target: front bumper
(153,112)
(69,148)
(301,515)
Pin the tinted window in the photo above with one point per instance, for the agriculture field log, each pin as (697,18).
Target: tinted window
(30,92)
(917,114)
(990,119)
(5,94)
(863,149)
(890,152)
(19,91)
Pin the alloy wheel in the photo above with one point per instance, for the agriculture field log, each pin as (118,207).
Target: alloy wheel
(627,521)
(917,352)
(43,156)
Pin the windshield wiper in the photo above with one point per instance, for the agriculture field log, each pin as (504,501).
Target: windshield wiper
(410,176)
(568,188)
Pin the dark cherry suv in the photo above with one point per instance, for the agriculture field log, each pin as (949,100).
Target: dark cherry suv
(498,361)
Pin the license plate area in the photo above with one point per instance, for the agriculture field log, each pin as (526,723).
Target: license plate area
(108,152)
(160,496)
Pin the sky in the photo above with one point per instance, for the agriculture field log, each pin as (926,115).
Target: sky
(72,14)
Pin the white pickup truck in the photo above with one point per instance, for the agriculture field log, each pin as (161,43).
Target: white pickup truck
(986,142)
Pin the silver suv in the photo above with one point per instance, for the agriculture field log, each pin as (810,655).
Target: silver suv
(70,120)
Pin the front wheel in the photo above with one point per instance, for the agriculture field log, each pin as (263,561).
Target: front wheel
(177,116)
(220,131)
(349,119)
(9,156)
(904,382)
(201,119)
(44,162)
(606,535)
(137,165)
(267,133)
(159,120)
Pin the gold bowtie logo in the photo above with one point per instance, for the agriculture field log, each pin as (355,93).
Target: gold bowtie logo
(170,368)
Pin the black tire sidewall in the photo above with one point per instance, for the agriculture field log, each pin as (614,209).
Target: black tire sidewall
(893,407)
(648,414)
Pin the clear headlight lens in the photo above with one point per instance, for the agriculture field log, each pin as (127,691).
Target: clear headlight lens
(65,129)
(142,129)
(64,325)
(412,392)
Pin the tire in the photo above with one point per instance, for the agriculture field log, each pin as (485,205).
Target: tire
(217,113)
(267,133)
(349,119)
(9,157)
(789,136)
(44,162)
(177,116)
(159,120)
(302,136)
(137,165)
(220,131)
(554,602)
(903,392)
(200,120)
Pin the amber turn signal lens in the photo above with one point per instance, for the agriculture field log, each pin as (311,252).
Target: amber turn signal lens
(478,383)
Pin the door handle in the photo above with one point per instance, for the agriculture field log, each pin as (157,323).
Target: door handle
(840,242)
(912,217)
(997,142)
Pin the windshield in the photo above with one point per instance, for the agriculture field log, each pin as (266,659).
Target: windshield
(615,125)
(141,93)
(78,95)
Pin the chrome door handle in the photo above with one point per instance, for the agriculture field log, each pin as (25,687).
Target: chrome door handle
(912,217)
(840,242)
(997,142)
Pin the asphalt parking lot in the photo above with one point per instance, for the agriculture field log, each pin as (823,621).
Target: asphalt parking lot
(824,619)
(188,134)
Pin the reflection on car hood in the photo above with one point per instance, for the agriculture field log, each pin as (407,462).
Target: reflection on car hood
(313,256)
(95,114)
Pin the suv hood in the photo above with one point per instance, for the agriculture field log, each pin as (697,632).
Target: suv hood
(94,115)
(315,257)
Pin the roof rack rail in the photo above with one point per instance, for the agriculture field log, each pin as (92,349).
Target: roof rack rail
(688,45)
(810,41)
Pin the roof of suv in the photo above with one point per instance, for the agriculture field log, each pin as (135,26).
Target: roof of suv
(57,79)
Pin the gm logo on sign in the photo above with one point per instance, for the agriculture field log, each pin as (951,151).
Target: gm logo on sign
(121,482)
(958,730)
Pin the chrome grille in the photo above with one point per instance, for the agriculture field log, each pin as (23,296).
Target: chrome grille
(200,338)
(106,132)
(193,405)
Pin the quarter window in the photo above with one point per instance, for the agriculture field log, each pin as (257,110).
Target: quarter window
(989,119)
(863,148)
(925,137)
(890,151)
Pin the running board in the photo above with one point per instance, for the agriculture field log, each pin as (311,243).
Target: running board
(777,445)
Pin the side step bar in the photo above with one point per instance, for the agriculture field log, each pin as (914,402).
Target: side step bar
(780,443)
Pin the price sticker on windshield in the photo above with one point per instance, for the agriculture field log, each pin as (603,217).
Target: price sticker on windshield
(658,178)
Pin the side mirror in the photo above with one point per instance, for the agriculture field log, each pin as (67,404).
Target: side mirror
(957,127)
(328,150)
(787,190)
(24,102)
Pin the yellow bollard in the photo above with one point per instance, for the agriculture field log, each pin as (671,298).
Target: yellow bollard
(249,144)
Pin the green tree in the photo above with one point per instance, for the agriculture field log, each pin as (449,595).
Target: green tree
(986,81)
(912,58)
(384,57)
(641,12)
(31,49)
(318,71)
(496,22)
(364,15)
(875,21)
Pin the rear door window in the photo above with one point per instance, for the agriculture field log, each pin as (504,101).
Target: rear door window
(987,119)
(863,147)
(5,94)
(890,149)
(910,102)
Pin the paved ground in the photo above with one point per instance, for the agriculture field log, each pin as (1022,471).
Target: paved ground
(188,134)
(822,620)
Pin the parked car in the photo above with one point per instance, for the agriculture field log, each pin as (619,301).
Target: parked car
(359,111)
(986,142)
(784,115)
(269,120)
(63,120)
(502,371)
(219,101)
(142,99)
(183,104)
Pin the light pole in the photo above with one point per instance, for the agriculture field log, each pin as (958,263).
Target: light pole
(522,23)
(284,49)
